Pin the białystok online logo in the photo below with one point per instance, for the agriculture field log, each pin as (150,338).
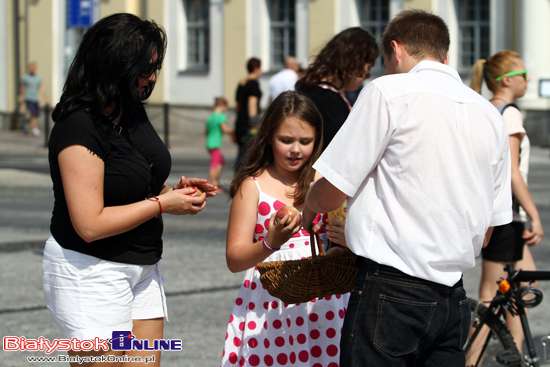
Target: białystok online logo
(124,340)
(120,340)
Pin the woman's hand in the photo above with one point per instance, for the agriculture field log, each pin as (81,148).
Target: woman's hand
(181,201)
(278,233)
(335,229)
(534,237)
(197,182)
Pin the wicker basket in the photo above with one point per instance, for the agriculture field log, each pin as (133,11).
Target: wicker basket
(318,276)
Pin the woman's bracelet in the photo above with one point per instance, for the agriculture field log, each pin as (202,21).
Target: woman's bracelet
(155,198)
(271,248)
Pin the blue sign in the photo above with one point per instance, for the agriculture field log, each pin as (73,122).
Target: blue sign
(80,13)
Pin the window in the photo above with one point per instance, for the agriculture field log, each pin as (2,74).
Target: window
(374,16)
(473,30)
(198,34)
(282,15)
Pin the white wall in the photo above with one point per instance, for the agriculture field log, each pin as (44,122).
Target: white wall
(4,51)
(346,15)
(533,30)
(302,31)
(59,27)
(187,87)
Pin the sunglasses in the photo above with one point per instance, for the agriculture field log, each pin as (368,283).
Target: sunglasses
(513,73)
(152,69)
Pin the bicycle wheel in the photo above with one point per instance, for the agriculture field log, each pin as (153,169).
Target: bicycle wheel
(481,350)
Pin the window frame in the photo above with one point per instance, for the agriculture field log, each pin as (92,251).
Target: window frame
(478,25)
(378,25)
(202,29)
(289,30)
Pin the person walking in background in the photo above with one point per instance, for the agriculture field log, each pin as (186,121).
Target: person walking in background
(343,64)
(31,86)
(425,164)
(101,264)
(262,330)
(248,97)
(216,126)
(285,79)
(505,76)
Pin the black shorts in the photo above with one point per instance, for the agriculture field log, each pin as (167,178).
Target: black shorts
(506,244)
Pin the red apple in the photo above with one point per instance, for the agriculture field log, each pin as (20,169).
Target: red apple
(293,213)
(334,250)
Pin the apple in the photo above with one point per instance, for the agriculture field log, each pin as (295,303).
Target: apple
(526,232)
(293,213)
(334,250)
(199,192)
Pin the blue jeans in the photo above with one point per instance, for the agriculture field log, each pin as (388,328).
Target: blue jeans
(394,319)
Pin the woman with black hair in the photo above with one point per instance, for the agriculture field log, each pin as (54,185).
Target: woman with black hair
(101,267)
(342,65)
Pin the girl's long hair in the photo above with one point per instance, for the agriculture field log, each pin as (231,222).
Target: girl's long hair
(344,57)
(260,154)
(113,53)
(500,63)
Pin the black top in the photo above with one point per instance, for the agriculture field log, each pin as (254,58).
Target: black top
(333,108)
(250,89)
(137,163)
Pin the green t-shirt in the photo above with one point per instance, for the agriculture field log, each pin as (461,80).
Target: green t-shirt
(214,133)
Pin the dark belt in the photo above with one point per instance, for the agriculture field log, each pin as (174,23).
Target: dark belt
(363,262)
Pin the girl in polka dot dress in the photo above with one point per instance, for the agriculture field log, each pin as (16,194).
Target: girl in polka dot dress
(262,330)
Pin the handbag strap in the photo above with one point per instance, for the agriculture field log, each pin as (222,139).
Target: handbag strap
(314,237)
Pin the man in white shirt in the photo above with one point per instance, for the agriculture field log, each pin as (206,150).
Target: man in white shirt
(285,79)
(424,162)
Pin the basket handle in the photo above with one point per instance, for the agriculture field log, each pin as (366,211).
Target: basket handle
(315,236)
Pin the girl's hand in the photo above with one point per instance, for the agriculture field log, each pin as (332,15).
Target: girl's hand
(278,233)
(335,229)
(534,237)
(180,201)
(197,182)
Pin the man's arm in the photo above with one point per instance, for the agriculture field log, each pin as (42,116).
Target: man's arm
(322,197)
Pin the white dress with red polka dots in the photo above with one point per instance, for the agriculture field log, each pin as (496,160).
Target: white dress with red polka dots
(264,331)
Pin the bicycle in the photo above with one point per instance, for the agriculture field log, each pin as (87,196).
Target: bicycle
(514,298)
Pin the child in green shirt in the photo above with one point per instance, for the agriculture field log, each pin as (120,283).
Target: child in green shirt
(216,125)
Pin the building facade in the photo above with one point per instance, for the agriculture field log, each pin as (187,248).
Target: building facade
(209,41)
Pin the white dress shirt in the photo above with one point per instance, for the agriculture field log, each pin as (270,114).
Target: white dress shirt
(281,82)
(425,161)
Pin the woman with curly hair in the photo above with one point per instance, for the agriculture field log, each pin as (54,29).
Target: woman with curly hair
(342,65)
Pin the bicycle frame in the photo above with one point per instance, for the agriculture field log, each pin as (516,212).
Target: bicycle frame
(515,277)
(492,316)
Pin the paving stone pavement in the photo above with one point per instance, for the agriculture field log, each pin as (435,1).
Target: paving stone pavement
(200,290)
